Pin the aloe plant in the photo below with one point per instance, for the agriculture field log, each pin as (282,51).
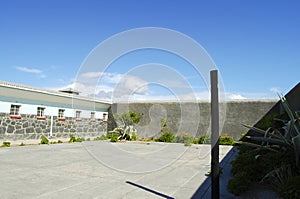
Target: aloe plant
(125,122)
(274,139)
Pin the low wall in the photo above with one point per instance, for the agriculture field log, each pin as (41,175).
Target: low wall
(193,115)
(28,127)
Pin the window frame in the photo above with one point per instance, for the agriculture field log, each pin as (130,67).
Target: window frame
(14,111)
(93,116)
(40,115)
(77,115)
(104,117)
(60,115)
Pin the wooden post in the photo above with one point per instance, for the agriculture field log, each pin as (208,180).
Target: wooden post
(215,170)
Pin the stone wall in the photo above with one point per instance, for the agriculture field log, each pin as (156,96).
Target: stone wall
(193,115)
(237,113)
(29,127)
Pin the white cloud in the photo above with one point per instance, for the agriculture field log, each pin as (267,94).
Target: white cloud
(32,70)
(120,87)
(102,77)
(111,85)
(29,70)
(112,77)
(130,85)
(91,75)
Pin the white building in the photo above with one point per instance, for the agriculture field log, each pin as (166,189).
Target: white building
(19,103)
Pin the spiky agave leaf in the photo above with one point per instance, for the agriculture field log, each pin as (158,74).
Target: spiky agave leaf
(270,140)
(280,136)
(262,132)
(296,143)
(280,120)
(257,146)
(287,107)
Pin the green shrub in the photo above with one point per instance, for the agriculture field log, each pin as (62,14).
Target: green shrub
(257,164)
(54,142)
(44,140)
(182,137)
(134,137)
(59,141)
(72,139)
(269,120)
(185,138)
(114,138)
(189,142)
(102,137)
(271,153)
(195,141)
(284,180)
(204,139)
(239,184)
(109,135)
(254,165)
(22,144)
(292,188)
(225,139)
(166,137)
(80,139)
(88,139)
(6,144)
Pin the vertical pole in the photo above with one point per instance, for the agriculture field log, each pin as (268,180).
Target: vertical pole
(51,126)
(215,170)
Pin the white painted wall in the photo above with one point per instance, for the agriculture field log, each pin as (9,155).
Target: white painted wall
(32,109)
(5,107)
(28,109)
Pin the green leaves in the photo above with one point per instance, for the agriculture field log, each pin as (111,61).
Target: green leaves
(125,122)
(296,143)
(288,138)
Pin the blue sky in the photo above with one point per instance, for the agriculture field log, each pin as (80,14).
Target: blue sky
(255,44)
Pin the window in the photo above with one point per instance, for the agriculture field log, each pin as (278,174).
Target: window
(104,117)
(78,115)
(92,115)
(15,111)
(40,113)
(61,114)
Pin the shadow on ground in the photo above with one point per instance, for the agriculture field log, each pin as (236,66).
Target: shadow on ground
(204,190)
(150,190)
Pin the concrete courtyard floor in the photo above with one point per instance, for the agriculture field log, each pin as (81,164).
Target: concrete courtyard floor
(101,169)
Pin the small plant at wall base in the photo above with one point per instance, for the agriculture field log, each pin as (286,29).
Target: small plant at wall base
(44,140)
(166,137)
(185,138)
(6,144)
(225,139)
(114,138)
(204,139)
(134,137)
(74,139)
(102,137)
(270,156)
